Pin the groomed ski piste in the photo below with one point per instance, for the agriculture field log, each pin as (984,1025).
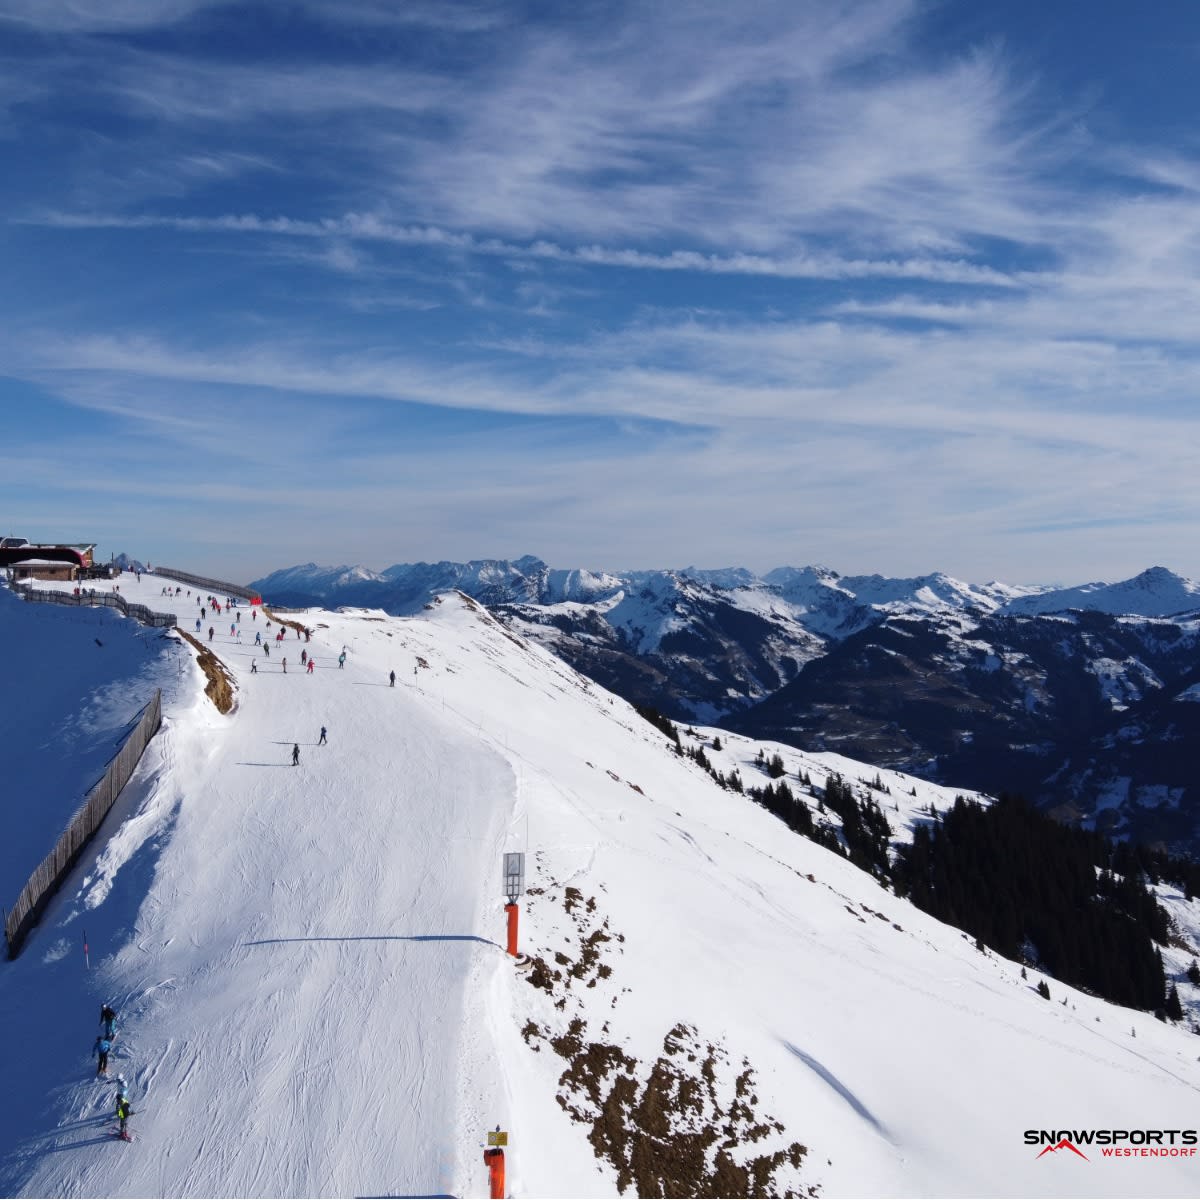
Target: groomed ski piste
(308,962)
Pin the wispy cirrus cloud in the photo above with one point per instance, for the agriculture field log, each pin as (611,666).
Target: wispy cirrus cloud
(367,228)
(830,273)
(99,16)
(108,16)
(759,130)
(930,432)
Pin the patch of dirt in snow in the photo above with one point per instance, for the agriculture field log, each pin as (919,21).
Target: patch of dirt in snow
(220,687)
(683,1125)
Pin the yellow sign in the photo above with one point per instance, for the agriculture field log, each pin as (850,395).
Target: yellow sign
(497,1138)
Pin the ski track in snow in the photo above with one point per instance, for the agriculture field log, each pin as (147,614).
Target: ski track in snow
(320,943)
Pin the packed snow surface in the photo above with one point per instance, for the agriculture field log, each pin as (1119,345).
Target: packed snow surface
(308,962)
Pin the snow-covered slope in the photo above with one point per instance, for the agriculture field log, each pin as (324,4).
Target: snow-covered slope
(314,999)
(1156,592)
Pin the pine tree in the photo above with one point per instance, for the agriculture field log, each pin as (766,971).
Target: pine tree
(1043,989)
(716,743)
(1173,1007)
(1193,973)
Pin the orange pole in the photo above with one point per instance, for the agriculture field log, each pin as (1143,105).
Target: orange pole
(495,1165)
(511,909)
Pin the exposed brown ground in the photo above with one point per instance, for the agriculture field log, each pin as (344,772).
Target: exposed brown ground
(219,688)
(687,1124)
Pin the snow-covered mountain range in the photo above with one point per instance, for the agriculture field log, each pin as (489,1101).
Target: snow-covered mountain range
(308,968)
(1064,694)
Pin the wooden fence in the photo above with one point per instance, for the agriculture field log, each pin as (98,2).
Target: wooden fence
(54,868)
(86,597)
(218,588)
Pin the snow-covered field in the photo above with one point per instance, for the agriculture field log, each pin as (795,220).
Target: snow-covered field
(308,963)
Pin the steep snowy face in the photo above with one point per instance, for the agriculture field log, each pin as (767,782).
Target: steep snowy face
(313,582)
(930,593)
(658,603)
(580,587)
(725,578)
(1156,592)
(820,601)
(496,581)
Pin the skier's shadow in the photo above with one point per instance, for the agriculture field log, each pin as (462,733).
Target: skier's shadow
(96,1120)
(76,1145)
(246,764)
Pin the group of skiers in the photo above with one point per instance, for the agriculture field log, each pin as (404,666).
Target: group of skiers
(108,1035)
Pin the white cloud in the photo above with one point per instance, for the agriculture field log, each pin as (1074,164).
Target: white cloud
(368,228)
(99,16)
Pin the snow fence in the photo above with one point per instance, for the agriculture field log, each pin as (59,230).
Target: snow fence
(219,588)
(54,868)
(139,612)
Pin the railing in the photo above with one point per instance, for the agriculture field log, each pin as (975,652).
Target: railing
(139,612)
(54,868)
(218,587)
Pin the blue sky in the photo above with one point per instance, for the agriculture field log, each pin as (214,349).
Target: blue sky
(888,286)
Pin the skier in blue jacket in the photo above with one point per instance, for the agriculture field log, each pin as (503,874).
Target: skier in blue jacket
(100,1049)
(108,1019)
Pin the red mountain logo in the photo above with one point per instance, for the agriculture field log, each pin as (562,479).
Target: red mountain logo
(1065,1144)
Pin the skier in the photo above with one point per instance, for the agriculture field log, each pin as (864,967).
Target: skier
(124,1112)
(258,638)
(296,754)
(303,657)
(312,662)
(122,1093)
(210,633)
(266,650)
(322,742)
(341,660)
(204,613)
(197,624)
(254,666)
(100,1049)
(232,628)
(108,1019)
(285,666)
(392,677)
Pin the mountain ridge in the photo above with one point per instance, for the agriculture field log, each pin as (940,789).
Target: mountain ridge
(1048,691)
